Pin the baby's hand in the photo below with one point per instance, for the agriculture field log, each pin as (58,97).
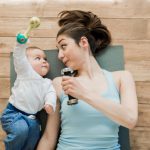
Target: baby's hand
(48,108)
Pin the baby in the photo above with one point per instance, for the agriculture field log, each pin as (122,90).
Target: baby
(30,93)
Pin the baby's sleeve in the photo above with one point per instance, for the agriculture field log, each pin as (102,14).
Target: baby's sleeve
(21,63)
(51,97)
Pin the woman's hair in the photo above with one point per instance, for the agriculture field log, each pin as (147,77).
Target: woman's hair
(77,24)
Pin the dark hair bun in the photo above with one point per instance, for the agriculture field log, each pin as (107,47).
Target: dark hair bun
(91,22)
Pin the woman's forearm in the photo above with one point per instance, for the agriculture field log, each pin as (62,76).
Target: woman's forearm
(50,136)
(115,111)
(44,144)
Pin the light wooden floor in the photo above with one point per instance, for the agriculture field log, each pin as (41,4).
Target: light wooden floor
(128,21)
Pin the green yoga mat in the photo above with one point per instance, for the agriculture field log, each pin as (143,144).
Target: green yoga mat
(111,58)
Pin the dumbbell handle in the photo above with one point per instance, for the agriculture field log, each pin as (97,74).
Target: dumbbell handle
(69,72)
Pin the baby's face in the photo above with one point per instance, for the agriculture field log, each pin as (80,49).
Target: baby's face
(38,61)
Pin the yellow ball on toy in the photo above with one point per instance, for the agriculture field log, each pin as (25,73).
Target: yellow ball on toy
(34,22)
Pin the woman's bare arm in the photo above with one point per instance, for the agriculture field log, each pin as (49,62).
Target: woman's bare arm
(50,136)
(51,133)
(124,113)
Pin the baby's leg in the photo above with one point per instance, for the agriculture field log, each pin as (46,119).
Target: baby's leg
(16,129)
(34,134)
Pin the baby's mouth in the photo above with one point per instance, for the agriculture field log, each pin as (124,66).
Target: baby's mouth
(44,66)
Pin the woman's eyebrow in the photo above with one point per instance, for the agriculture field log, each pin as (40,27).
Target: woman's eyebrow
(60,40)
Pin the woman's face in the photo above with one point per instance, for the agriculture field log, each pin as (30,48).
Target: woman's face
(69,52)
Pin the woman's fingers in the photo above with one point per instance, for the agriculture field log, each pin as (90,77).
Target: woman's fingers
(67,84)
(66,80)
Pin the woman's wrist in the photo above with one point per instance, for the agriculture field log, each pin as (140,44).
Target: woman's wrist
(89,97)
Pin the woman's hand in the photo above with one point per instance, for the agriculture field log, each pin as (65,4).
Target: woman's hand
(74,86)
(80,88)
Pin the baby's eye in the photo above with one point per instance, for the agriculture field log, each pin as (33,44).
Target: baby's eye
(37,58)
(45,59)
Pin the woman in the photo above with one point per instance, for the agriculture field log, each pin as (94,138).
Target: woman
(106,99)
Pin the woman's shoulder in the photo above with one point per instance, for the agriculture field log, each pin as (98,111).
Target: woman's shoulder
(122,76)
(120,73)
(57,84)
(57,80)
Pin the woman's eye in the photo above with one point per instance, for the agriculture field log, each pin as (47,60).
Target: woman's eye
(63,46)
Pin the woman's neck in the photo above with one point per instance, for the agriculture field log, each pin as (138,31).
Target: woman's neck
(90,68)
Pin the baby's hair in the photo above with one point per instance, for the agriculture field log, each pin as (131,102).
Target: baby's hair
(77,23)
(32,48)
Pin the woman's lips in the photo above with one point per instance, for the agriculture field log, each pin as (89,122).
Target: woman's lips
(65,62)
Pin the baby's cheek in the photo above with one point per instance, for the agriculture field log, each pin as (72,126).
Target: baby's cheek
(49,67)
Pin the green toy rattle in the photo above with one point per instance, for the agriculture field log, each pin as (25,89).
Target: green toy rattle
(34,23)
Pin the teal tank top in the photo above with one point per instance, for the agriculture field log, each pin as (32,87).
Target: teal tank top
(85,128)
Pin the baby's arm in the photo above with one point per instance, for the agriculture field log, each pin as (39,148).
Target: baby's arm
(21,63)
(48,108)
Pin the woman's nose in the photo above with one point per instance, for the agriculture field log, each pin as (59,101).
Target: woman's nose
(60,55)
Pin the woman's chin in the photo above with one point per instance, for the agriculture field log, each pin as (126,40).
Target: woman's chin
(69,66)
